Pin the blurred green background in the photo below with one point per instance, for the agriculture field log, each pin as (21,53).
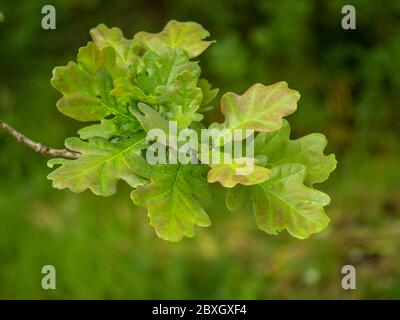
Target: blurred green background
(105,248)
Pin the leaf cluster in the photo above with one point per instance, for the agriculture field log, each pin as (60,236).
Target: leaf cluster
(122,88)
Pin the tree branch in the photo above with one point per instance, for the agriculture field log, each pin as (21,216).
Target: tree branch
(38,147)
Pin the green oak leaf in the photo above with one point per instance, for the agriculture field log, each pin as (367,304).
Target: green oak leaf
(172,197)
(125,92)
(185,35)
(150,118)
(182,98)
(126,49)
(307,150)
(105,129)
(231,174)
(100,166)
(168,82)
(92,60)
(87,86)
(260,108)
(238,197)
(108,128)
(209,94)
(163,68)
(284,202)
(86,97)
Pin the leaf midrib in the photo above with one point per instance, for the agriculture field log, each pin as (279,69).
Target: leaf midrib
(106,160)
(173,201)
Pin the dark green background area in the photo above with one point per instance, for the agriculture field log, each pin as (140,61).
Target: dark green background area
(105,248)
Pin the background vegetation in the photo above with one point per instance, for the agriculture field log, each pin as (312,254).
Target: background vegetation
(105,248)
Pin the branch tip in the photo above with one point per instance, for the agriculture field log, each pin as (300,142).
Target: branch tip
(37,146)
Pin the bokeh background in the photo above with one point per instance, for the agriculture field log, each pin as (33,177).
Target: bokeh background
(104,247)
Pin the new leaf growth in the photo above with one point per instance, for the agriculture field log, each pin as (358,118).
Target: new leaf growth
(125,88)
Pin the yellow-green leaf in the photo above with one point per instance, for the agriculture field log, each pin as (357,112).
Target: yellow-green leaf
(92,60)
(260,108)
(125,91)
(172,197)
(113,37)
(284,202)
(208,94)
(185,35)
(162,69)
(307,150)
(238,197)
(100,166)
(86,97)
(240,171)
(182,98)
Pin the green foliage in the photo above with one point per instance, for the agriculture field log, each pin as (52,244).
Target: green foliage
(226,173)
(307,150)
(284,202)
(349,87)
(185,35)
(130,86)
(99,167)
(260,108)
(172,197)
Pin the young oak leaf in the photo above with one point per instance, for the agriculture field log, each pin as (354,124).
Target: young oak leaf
(237,172)
(108,128)
(238,197)
(171,79)
(86,86)
(172,197)
(284,202)
(126,49)
(308,150)
(150,118)
(100,166)
(81,100)
(208,94)
(125,91)
(260,108)
(163,68)
(185,35)
(279,149)
(182,98)
(92,60)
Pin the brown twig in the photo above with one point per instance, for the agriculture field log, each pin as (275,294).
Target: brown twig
(38,147)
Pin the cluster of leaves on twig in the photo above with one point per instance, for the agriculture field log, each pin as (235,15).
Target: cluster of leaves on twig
(126,87)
